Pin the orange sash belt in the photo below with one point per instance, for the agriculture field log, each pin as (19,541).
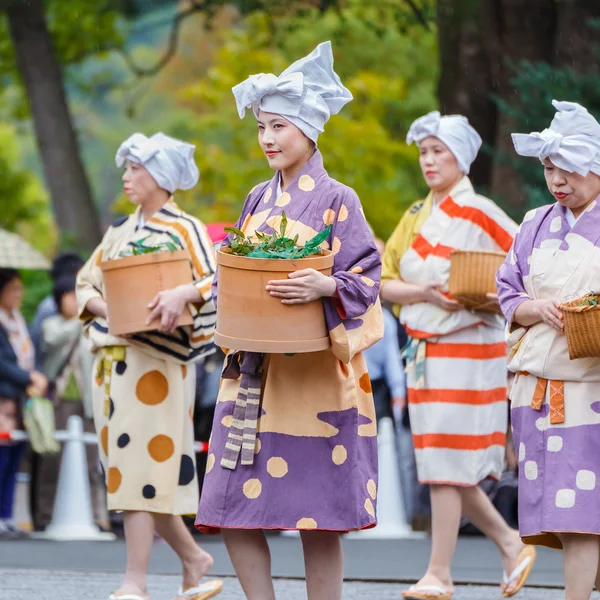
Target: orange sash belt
(557,399)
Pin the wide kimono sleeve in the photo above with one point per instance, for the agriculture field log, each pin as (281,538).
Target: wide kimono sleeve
(202,254)
(511,289)
(89,283)
(512,292)
(354,317)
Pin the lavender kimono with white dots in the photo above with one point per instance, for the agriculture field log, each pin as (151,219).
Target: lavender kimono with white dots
(315,462)
(555,401)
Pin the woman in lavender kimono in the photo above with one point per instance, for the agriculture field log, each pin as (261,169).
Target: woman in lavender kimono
(314,465)
(555,408)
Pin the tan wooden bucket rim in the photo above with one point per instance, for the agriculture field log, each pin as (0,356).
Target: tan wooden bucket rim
(486,252)
(317,262)
(144,259)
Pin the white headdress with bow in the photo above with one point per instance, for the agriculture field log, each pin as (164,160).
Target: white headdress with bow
(572,142)
(307,93)
(454,131)
(169,161)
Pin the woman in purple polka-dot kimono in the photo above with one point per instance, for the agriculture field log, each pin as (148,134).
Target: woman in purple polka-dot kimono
(556,401)
(311,461)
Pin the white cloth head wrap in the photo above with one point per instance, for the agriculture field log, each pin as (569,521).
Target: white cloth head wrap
(572,142)
(307,93)
(453,131)
(169,161)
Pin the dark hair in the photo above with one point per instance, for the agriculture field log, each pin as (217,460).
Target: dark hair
(7,276)
(66,263)
(63,285)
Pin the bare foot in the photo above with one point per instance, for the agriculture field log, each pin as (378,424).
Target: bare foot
(431,580)
(131,589)
(196,568)
(510,561)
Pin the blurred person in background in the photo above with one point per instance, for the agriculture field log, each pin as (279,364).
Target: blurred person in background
(18,378)
(385,365)
(144,383)
(68,365)
(456,360)
(65,264)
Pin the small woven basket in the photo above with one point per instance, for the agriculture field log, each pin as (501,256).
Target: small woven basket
(473,275)
(582,326)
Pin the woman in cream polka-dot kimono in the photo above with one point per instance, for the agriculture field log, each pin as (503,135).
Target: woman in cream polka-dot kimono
(556,401)
(144,391)
(314,462)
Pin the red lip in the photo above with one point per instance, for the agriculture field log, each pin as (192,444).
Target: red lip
(430,173)
(272,153)
(561,196)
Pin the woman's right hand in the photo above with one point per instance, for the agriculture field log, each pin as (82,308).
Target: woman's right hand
(531,312)
(39,383)
(549,313)
(432,294)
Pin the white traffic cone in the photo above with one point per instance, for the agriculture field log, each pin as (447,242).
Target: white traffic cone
(72,516)
(391,518)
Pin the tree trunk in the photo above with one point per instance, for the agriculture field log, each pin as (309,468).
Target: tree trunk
(466,79)
(63,169)
(524,31)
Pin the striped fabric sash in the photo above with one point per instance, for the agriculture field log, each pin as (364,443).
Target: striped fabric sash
(557,399)
(242,433)
(105,368)
(414,354)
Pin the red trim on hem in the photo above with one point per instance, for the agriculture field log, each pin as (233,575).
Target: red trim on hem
(215,529)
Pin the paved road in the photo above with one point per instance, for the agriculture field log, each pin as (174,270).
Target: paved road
(29,584)
(476,561)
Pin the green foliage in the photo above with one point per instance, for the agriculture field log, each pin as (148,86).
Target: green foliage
(391,71)
(139,248)
(25,207)
(275,245)
(25,210)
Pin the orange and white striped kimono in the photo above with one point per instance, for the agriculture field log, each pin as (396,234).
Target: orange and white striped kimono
(456,369)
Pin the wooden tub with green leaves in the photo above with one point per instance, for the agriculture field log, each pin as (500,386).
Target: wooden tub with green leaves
(248,317)
(133,280)
(582,326)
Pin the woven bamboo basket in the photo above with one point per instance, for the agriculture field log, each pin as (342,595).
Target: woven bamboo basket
(473,275)
(582,326)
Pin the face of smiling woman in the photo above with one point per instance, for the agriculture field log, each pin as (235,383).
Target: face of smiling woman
(284,145)
(571,189)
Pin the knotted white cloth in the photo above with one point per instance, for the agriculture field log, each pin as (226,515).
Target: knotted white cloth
(454,131)
(169,161)
(307,93)
(572,142)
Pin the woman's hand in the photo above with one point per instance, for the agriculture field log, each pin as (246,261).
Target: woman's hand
(169,305)
(433,295)
(97,306)
(531,312)
(38,384)
(548,312)
(302,287)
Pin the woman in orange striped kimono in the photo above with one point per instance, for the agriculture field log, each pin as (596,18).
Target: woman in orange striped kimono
(456,359)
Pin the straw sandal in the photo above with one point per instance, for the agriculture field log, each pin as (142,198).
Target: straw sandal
(521,573)
(203,591)
(426,592)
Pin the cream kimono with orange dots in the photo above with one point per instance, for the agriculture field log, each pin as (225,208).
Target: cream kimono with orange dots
(144,390)
(315,462)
